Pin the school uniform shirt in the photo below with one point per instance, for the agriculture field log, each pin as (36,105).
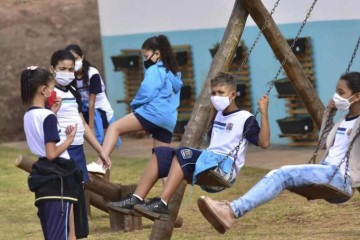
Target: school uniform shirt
(227,131)
(41,127)
(69,114)
(158,97)
(95,86)
(341,143)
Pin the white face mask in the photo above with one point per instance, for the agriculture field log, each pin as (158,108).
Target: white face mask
(342,103)
(220,103)
(64,78)
(78,65)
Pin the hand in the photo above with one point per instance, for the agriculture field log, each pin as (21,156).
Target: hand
(331,104)
(70,132)
(56,106)
(105,160)
(263,104)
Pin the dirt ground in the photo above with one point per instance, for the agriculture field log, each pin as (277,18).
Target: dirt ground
(30,31)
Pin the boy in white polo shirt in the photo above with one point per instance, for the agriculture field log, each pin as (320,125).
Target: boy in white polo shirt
(182,163)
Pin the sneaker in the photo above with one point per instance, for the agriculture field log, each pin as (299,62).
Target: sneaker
(96,168)
(154,209)
(126,205)
(219,214)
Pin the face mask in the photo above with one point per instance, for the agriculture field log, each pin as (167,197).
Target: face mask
(64,78)
(341,103)
(51,98)
(78,65)
(220,103)
(148,63)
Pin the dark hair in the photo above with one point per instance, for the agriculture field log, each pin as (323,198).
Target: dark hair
(61,55)
(86,64)
(162,44)
(31,80)
(353,81)
(224,79)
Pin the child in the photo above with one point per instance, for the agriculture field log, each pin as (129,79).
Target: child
(55,192)
(179,164)
(156,102)
(222,214)
(96,108)
(62,65)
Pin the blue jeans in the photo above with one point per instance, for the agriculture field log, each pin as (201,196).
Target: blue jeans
(287,177)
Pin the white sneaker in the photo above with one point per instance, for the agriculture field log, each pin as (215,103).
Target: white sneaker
(96,168)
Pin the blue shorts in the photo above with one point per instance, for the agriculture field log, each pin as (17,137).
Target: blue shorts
(54,218)
(76,152)
(157,132)
(187,158)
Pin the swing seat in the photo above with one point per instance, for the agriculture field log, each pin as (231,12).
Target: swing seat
(212,179)
(321,191)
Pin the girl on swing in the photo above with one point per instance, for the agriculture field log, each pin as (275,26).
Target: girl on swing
(223,214)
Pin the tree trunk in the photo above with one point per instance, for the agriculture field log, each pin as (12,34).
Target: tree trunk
(292,67)
(203,110)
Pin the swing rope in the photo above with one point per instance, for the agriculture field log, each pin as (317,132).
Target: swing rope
(235,151)
(353,55)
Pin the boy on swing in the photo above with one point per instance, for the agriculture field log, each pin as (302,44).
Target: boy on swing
(184,163)
(340,166)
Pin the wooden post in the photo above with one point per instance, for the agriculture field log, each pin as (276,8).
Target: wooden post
(292,67)
(203,110)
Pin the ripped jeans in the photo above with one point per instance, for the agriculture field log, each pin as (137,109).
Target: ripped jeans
(291,176)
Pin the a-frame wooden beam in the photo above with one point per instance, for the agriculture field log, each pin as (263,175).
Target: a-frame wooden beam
(292,67)
(203,109)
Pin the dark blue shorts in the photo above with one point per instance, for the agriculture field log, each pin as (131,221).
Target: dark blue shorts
(187,158)
(157,132)
(54,218)
(76,152)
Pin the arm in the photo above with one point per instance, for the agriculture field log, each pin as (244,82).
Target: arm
(264,134)
(91,111)
(149,87)
(91,139)
(51,137)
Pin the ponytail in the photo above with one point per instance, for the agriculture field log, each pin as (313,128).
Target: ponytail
(31,79)
(162,44)
(86,64)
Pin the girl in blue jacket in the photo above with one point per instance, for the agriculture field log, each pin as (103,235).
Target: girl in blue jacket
(155,104)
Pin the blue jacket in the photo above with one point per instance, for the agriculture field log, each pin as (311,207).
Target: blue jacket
(158,97)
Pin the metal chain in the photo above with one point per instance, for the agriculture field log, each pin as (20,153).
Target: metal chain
(346,160)
(353,55)
(237,148)
(245,59)
(322,136)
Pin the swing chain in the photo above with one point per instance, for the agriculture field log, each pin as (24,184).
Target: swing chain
(258,36)
(237,148)
(322,136)
(353,55)
(346,160)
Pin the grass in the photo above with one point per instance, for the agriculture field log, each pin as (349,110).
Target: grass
(286,217)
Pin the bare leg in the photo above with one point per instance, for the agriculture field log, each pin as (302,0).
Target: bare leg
(72,224)
(175,176)
(149,178)
(127,124)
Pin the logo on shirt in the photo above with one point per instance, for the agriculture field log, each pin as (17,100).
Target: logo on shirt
(348,132)
(229,126)
(186,153)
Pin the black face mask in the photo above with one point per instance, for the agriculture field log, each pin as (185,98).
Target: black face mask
(148,63)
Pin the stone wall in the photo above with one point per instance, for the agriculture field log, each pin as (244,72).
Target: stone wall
(30,31)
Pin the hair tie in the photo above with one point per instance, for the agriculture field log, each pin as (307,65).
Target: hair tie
(32,68)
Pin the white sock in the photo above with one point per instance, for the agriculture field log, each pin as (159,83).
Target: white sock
(138,197)
(164,202)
